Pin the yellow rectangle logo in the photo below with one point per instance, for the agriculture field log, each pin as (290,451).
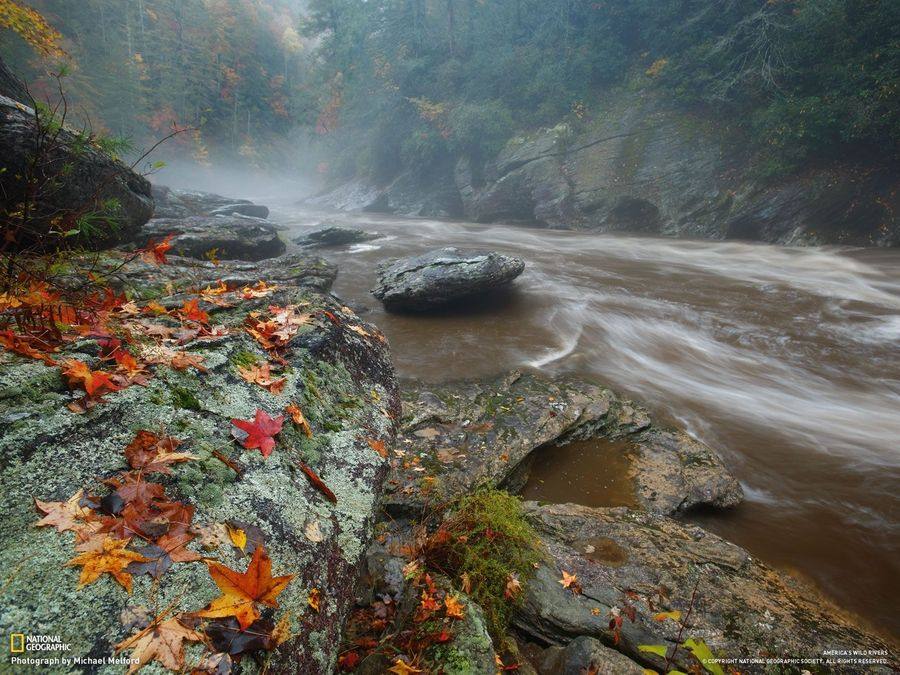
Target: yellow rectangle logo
(17,643)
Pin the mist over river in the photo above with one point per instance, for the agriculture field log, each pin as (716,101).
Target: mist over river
(784,359)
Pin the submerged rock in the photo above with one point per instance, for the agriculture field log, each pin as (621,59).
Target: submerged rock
(227,237)
(438,277)
(343,381)
(461,435)
(335,235)
(628,561)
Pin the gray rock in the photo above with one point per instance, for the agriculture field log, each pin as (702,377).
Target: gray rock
(55,452)
(335,235)
(94,178)
(436,278)
(231,237)
(203,203)
(467,434)
(628,560)
(587,655)
(242,209)
(168,205)
(11,86)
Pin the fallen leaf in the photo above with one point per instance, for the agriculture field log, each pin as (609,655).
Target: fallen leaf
(299,419)
(162,641)
(348,661)
(378,446)
(238,536)
(184,360)
(455,609)
(675,615)
(317,482)
(92,381)
(190,311)
(262,376)
(513,586)
(570,581)
(401,667)
(150,453)
(241,591)
(156,252)
(466,583)
(67,515)
(260,432)
(314,598)
(212,536)
(111,559)
(282,632)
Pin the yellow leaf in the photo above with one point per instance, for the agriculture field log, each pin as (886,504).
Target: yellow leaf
(237,535)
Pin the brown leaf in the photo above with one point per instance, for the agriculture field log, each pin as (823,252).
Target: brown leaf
(317,482)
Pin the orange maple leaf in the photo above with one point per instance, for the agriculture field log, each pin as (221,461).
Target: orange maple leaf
(111,557)
(314,599)
(454,607)
(190,311)
(241,591)
(157,252)
(262,375)
(92,381)
(570,581)
(161,640)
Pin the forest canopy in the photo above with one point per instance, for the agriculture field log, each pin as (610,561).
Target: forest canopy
(393,84)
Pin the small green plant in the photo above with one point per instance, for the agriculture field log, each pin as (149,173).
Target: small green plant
(487,542)
(184,398)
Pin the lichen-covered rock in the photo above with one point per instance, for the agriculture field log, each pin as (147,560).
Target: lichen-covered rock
(343,381)
(627,560)
(203,203)
(438,277)
(224,237)
(335,235)
(458,436)
(168,283)
(94,182)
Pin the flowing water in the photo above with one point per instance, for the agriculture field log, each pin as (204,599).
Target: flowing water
(787,360)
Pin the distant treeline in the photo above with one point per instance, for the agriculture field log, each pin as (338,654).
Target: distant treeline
(393,84)
(416,80)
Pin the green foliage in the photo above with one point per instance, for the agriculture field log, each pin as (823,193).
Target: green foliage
(797,79)
(184,398)
(487,538)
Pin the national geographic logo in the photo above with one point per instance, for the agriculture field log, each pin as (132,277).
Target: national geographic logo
(19,643)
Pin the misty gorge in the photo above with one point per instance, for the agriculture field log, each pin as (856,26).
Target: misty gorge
(552,337)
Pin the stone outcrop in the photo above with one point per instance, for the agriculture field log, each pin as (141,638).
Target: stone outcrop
(632,561)
(639,166)
(334,235)
(95,185)
(227,237)
(443,276)
(456,437)
(342,379)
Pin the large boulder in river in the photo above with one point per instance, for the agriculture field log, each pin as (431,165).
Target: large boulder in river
(340,375)
(636,565)
(228,237)
(335,235)
(439,277)
(94,184)
(461,435)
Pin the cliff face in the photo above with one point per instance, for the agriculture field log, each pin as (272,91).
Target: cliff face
(642,167)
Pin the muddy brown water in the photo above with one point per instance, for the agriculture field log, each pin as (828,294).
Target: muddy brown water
(785,359)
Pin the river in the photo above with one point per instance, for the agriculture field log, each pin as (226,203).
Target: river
(784,359)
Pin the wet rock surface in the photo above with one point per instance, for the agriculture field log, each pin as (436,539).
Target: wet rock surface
(335,235)
(224,237)
(440,277)
(632,561)
(342,379)
(459,436)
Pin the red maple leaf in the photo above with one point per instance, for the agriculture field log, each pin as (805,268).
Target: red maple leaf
(157,252)
(260,431)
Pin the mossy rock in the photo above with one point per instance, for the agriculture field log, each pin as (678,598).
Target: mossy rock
(48,452)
